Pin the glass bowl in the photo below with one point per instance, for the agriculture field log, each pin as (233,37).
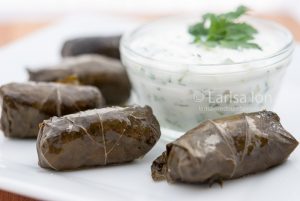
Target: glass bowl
(183,93)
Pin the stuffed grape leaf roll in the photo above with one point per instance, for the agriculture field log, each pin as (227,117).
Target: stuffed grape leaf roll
(103,45)
(225,148)
(107,74)
(25,105)
(104,136)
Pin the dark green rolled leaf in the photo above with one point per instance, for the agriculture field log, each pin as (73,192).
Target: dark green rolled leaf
(97,137)
(225,148)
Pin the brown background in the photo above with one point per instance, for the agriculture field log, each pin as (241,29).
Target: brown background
(12,31)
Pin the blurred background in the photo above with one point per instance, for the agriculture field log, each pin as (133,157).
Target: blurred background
(19,17)
(48,8)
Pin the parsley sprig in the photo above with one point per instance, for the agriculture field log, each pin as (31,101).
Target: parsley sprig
(224,30)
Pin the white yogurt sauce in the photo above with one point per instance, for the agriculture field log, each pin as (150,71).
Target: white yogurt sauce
(173,43)
(181,94)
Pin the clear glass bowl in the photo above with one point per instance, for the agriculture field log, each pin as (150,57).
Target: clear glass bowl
(182,94)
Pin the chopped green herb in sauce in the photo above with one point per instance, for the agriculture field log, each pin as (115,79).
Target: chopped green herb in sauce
(224,30)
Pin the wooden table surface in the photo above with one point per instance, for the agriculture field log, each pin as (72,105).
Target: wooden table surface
(12,31)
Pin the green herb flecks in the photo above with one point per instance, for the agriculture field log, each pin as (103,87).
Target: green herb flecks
(224,30)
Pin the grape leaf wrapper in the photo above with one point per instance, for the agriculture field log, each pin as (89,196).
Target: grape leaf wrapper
(26,105)
(97,137)
(225,148)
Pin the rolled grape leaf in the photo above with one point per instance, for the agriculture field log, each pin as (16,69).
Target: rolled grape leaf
(25,105)
(103,45)
(97,137)
(225,148)
(107,74)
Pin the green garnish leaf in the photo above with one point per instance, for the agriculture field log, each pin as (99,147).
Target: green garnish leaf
(224,30)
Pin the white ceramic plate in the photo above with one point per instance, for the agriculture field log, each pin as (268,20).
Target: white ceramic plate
(20,173)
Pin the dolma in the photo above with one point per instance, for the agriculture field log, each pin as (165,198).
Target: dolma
(107,74)
(225,148)
(97,137)
(103,45)
(25,105)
